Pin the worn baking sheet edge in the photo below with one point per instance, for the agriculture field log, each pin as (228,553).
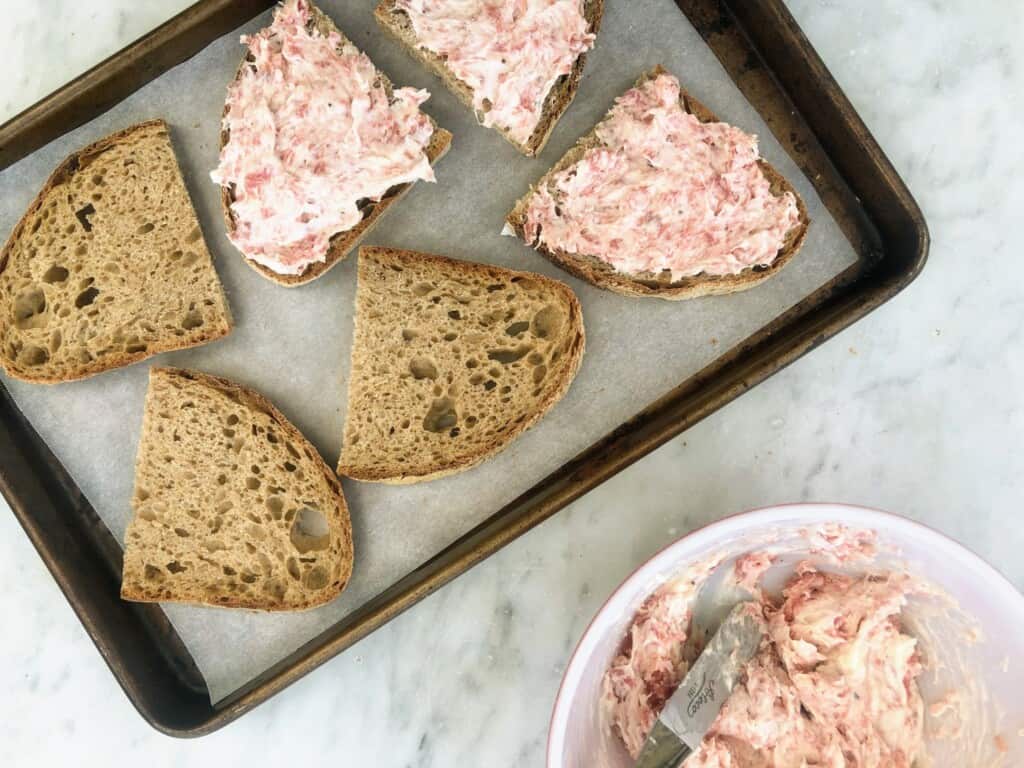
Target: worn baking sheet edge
(677,411)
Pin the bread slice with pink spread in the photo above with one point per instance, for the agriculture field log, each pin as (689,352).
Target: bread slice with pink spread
(517,65)
(316,144)
(662,200)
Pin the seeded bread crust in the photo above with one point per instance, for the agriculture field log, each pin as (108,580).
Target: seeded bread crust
(229,542)
(558,99)
(105,297)
(495,347)
(341,244)
(601,274)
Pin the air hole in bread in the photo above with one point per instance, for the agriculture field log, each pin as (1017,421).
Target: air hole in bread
(451,336)
(547,322)
(526,283)
(194,235)
(32,355)
(136,348)
(408,334)
(182,533)
(248,578)
(516,328)
(441,416)
(539,373)
(229,571)
(494,371)
(55,274)
(289,467)
(508,356)
(495,287)
(309,531)
(146,228)
(455,314)
(86,297)
(275,588)
(490,384)
(422,289)
(317,578)
(175,567)
(293,568)
(252,483)
(471,421)
(193,319)
(30,308)
(152,573)
(83,214)
(423,368)
(276,506)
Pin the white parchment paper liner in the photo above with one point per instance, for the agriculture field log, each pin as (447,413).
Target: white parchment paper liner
(293,345)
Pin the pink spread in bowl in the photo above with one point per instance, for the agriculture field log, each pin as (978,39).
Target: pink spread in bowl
(958,620)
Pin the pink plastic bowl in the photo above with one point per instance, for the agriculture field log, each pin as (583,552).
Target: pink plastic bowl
(988,672)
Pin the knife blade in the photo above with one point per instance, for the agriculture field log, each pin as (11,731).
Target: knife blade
(692,709)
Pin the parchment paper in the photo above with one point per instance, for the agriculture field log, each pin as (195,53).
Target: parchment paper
(293,345)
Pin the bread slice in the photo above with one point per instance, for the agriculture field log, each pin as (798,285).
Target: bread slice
(343,242)
(451,361)
(108,266)
(601,274)
(558,99)
(233,507)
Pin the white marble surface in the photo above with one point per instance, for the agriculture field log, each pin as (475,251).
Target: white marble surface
(916,409)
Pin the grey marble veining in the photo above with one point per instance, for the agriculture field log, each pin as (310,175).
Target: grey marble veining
(916,409)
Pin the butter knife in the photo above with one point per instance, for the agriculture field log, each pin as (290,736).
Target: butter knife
(699,698)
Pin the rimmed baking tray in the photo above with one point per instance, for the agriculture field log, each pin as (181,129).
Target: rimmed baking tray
(778,71)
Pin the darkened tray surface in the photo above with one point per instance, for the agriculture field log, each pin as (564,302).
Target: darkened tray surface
(778,71)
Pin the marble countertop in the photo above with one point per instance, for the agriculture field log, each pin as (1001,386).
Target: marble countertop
(917,409)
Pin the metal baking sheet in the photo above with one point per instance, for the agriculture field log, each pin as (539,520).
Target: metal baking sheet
(293,345)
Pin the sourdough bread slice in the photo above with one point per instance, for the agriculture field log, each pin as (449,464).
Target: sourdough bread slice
(558,99)
(233,507)
(451,361)
(601,274)
(108,266)
(343,242)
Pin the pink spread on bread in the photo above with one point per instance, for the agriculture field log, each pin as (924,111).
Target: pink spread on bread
(312,133)
(664,193)
(834,683)
(509,52)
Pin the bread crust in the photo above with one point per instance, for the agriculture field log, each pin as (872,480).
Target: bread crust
(71,165)
(254,400)
(557,101)
(341,244)
(601,274)
(399,475)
